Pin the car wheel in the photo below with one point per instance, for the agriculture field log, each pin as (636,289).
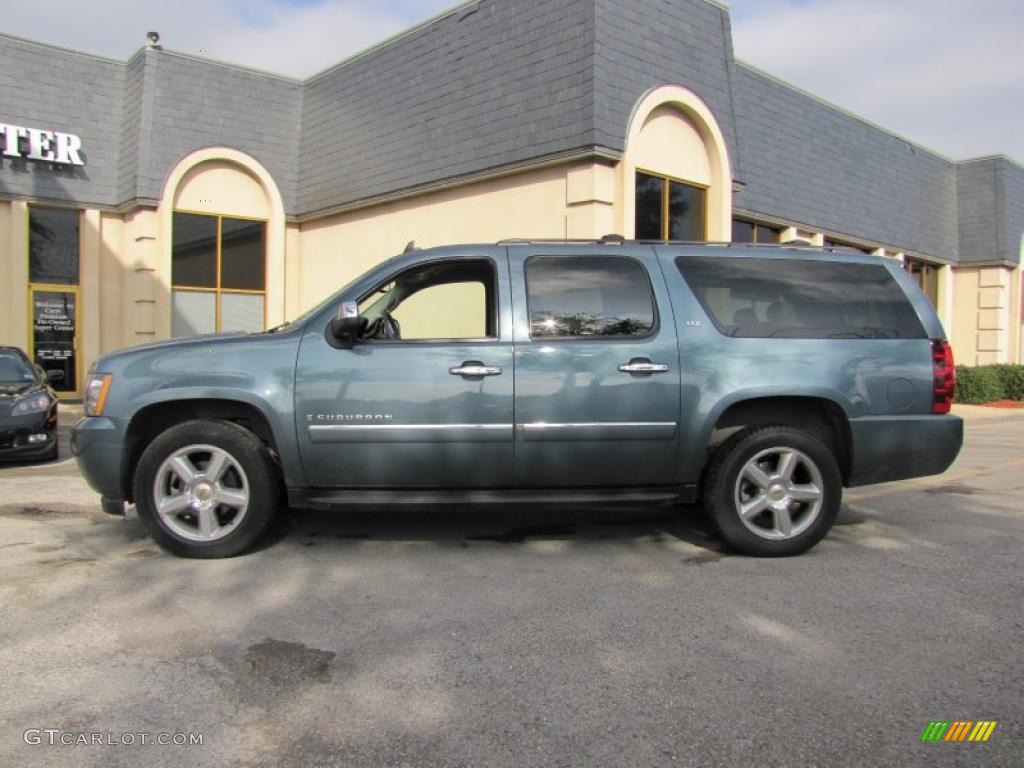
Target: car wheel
(206,489)
(773,491)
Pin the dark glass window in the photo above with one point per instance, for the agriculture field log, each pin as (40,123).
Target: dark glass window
(926,276)
(194,253)
(52,246)
(218,274)
(742,231)
(766,234)
(649,206)
(800,299)
(243,265)
(685,212)
(669,210)
(580,296)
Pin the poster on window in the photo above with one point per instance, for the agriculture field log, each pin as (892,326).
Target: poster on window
(53,336)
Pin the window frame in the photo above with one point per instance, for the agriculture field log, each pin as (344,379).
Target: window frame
(494,310)
(666,196)
(656,315)
(217,290)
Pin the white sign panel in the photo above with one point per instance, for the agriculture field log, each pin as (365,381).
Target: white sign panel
(37,144)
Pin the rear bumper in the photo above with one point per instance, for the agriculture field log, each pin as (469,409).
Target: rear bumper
(887,448)
(97,444)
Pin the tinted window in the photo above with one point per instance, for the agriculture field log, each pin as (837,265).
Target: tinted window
(742,231)
(14,369)
(796,299)
(667,209)
(52,246)
(194,252)
(243,261)
(649,207)
(588,296)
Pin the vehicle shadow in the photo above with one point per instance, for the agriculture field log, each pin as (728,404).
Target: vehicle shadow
(464,526)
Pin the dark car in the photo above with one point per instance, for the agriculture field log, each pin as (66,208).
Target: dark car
(28,409)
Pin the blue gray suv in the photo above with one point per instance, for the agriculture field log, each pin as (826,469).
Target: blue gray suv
(758,380)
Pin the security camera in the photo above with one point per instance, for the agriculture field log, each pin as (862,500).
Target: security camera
(153,38)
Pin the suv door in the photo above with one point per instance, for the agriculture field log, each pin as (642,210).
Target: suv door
(426,400)
(596,367)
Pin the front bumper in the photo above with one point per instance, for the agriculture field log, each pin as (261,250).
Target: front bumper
(98,446)
(887,448)
(15,432)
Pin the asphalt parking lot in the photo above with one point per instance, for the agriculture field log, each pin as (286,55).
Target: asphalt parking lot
(621,637)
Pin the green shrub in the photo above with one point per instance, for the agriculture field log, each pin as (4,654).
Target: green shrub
(978,384)
(1012,379)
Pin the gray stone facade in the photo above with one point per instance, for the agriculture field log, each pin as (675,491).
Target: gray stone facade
(491,85)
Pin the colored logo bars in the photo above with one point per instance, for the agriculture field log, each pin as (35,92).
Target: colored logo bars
(958,730)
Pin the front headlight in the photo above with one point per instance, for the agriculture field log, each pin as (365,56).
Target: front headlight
(96,393)
(34,403)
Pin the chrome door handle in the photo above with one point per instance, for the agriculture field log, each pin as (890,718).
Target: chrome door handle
(635,366)
(475,369)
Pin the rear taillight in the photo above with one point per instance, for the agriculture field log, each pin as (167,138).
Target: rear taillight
(945,376)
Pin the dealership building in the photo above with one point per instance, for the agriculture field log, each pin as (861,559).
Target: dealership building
(173,194)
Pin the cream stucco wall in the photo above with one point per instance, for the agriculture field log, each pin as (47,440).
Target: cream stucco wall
(670,144)
(338,248)
(14,241)
(7,282)
(986,323)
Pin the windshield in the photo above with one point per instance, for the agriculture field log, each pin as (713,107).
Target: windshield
(14,369)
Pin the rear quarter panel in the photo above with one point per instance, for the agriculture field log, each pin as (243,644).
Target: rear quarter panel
(864,377)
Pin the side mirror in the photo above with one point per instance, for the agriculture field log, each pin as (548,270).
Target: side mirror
(346,327)
(53,375)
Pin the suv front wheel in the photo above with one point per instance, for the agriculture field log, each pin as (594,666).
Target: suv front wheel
(206,489)
(773,491)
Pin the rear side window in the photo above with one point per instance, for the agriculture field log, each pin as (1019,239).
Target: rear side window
(588,296)
(797,299)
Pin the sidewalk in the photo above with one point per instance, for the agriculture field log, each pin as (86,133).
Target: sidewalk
(983,412)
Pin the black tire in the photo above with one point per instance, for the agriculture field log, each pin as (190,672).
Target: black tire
(723,495)
(251,455)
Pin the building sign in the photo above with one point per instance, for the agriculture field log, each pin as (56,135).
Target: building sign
(37,144)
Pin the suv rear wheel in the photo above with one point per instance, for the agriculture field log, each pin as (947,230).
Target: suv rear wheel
(773,491)
(206,489)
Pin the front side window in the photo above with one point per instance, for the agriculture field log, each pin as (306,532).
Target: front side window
(800,299)
(588,296)
(667,209)
(218,272)
(445,300)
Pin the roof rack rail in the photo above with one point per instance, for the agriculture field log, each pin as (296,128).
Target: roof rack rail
(613,239)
